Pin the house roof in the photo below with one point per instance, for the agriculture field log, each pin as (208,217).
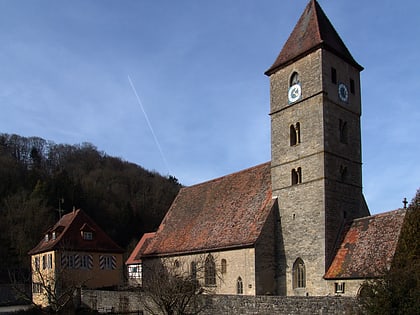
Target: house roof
(368,246)
(227,212)
(68,236)
(312,31)
(135,256)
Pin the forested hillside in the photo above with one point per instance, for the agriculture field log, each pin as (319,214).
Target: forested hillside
(38,177)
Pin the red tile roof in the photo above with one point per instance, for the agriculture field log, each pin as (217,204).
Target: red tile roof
(68,231)
(312,31)
(227,212)
(135,256)
(368,246)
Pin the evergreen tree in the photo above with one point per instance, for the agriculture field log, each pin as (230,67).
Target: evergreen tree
(398,292)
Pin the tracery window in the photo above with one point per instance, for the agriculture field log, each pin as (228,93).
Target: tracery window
(239,286)
(193,267)
(210,271)
(299,274)
(224,266)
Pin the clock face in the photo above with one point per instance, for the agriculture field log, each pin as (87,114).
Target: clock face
(343,92)
(295,92)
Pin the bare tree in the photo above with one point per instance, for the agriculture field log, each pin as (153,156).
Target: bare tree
(172,285)
(54,285)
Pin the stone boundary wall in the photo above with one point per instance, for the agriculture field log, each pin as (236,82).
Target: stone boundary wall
(127,301)
(268,305)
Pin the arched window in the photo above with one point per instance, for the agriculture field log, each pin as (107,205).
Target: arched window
(295,134)
(194,270)
(239,286)
(343,173)
(210,271)
(293,139)
(299,274)
(224,265)
(299,174)
(297,128)
(343,131)
(176,263)
(294,79)
(296,176)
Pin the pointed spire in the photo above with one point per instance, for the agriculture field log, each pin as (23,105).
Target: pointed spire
(312,31)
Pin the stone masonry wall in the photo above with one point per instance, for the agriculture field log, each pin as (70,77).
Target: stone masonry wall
(126,301)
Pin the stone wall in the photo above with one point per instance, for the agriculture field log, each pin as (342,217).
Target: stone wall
(125,301)
(268,305)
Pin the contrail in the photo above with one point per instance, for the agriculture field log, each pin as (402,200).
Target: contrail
(150,125)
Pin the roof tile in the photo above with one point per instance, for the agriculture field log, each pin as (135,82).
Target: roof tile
(368,246)
(222,213)
(69,237)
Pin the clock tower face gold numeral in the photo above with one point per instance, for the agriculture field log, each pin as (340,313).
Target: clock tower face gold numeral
(294,94)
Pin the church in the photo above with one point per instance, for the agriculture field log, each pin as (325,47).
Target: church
(297,225)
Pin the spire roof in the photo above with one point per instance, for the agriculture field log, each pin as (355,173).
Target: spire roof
(312,31)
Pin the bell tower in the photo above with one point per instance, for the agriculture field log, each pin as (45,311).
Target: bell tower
(316,169)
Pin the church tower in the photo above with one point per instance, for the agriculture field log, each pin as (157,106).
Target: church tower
(316,167)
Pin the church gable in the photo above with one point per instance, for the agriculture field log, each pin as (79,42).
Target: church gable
(368,247)
(224,213)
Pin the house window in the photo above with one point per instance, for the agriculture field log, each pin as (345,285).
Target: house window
(54,235)
(239,286)
(36,263)
(36,287)
(134,271)
(71,261)
(210,271)
(88,236)
(107,262)
(333,75)
(299,274)
(339,287)
(224,265)
(296,176)
(86,262)
(46,238)
(47,261)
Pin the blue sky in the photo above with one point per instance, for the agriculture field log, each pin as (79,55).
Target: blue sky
(197,68)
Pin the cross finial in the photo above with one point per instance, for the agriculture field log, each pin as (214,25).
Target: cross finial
(405,203)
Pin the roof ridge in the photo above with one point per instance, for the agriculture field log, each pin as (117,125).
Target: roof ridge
(382,214)
(228,175)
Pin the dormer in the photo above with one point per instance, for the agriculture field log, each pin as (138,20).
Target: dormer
(48,235)
(87,232)
(56,232)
